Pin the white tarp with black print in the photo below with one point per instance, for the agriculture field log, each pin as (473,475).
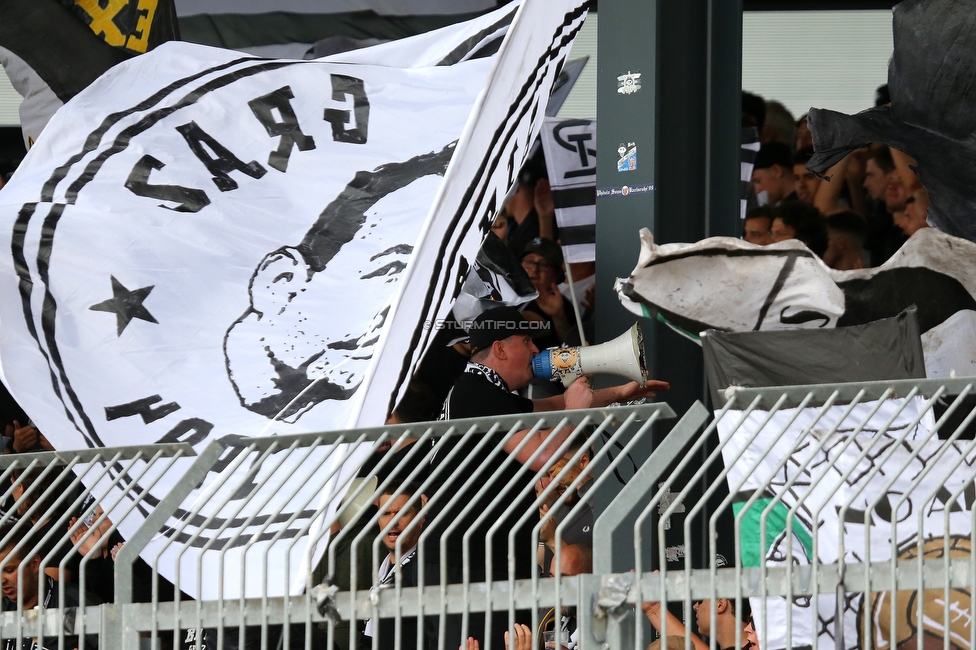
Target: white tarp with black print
(205,246)
(730,285)
(850,489)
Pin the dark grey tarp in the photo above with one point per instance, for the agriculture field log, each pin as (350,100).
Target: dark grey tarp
(890,348)
(932,81)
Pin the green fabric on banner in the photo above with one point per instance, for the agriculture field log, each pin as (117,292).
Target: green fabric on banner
(775,525)
(236,31)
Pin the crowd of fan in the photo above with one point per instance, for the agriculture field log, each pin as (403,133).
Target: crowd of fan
(867,209)
(857,216)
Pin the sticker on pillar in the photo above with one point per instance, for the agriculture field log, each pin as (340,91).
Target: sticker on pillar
(627,157)
(629,83)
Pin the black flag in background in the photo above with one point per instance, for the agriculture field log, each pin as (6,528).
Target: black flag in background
(52,50)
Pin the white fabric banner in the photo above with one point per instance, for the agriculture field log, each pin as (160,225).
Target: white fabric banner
(507,120)
(570,148)
(206,246)
(731,285)
(836,478)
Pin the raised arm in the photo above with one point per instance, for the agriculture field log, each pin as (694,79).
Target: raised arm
(675,627)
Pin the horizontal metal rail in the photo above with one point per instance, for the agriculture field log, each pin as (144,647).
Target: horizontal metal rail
(811,503)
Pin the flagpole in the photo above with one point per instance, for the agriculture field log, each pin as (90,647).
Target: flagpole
(576,309)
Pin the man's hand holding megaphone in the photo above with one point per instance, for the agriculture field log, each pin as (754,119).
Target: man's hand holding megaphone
(580,395)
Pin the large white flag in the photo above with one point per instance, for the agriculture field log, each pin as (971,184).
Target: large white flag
(869,494)
(206,245)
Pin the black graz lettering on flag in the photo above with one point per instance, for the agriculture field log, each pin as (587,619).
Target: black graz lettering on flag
(220,160)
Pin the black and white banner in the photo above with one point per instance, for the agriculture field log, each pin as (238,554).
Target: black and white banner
(206,245)
(730,285)
(570,148)
(850,487)
(748,149)
(507,120)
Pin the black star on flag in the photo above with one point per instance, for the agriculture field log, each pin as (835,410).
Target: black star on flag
(126,304)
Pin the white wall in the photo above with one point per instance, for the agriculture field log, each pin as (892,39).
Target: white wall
(582,98)
(826,59)
(823,59)
(9,102)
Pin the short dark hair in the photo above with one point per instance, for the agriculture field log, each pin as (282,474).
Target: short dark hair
(881,155)
(419,403)
(13,533)
(403,488)
(774,153)
(849,223)
(764,211)
(754,107)
(806,221)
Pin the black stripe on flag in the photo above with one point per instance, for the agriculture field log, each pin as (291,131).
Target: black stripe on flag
(475,46)
(574,197)
(571,235)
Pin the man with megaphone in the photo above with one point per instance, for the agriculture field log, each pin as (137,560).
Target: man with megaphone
(502,350)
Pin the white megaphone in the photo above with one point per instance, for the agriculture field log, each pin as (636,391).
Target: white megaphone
(623,356)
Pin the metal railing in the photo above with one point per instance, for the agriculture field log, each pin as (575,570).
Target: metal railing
(804,502)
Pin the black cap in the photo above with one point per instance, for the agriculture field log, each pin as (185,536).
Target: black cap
(497,324)
(774,153)
(550,250)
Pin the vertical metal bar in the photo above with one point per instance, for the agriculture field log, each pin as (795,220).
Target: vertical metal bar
(298,484)
(248,479)
(868,620)
(555,506)
(19,549)
(733,491)
(83,564)
(876,467)
(778,497)
(646,512)
(713,612)
(644,481)
(323,482)
(378,539)
(597,432)
(459,518)
(623,622)
(689,516)
(160,514)
(815,515)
